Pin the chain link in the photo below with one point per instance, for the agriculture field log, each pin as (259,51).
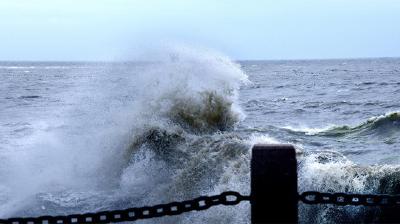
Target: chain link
(313,197)
(203,203)
(133,214)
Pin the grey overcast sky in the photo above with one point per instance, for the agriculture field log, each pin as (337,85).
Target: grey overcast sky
(246,29)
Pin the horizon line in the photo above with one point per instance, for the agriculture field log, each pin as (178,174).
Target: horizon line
(236,60)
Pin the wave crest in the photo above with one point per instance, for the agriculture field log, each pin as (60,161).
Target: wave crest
(378,124)
(390,122)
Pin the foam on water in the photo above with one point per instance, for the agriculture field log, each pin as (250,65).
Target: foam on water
(330,171)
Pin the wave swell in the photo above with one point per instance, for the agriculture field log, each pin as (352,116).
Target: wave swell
(380,125)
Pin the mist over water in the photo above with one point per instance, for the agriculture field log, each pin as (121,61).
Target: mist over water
(85,137)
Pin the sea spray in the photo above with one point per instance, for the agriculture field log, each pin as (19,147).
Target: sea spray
(190,107)
(161,132)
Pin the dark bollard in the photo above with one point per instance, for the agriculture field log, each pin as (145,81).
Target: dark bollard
(274,184)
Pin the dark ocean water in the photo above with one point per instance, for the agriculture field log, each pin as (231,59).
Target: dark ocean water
(311,103)
(80,137)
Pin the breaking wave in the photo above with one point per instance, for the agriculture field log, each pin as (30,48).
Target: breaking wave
(184,145)
(384,124)
(164,132)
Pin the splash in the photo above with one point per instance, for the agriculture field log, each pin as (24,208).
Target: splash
(159,133)
(184,145)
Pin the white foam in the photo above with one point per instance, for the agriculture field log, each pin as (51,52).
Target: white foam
(308,130)
(262,139)
(184,73)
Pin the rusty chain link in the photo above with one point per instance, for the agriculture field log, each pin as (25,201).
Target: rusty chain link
(133,214)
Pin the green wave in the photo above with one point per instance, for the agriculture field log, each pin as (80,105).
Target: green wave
(212,112)
(387,122)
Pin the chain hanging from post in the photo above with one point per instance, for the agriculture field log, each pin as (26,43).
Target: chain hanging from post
(133,214)
(314,197)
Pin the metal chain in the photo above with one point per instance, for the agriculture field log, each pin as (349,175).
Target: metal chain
(133,214)
(203,203)
(313,197)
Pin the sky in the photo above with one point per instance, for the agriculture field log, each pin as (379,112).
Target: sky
(109,30)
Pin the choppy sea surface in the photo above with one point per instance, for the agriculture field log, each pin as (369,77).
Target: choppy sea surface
(83,137)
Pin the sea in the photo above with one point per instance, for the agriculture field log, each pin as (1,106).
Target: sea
(79,137)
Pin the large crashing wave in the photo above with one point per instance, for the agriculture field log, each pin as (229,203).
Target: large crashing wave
(193,92)
(183,145)
(157,134)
